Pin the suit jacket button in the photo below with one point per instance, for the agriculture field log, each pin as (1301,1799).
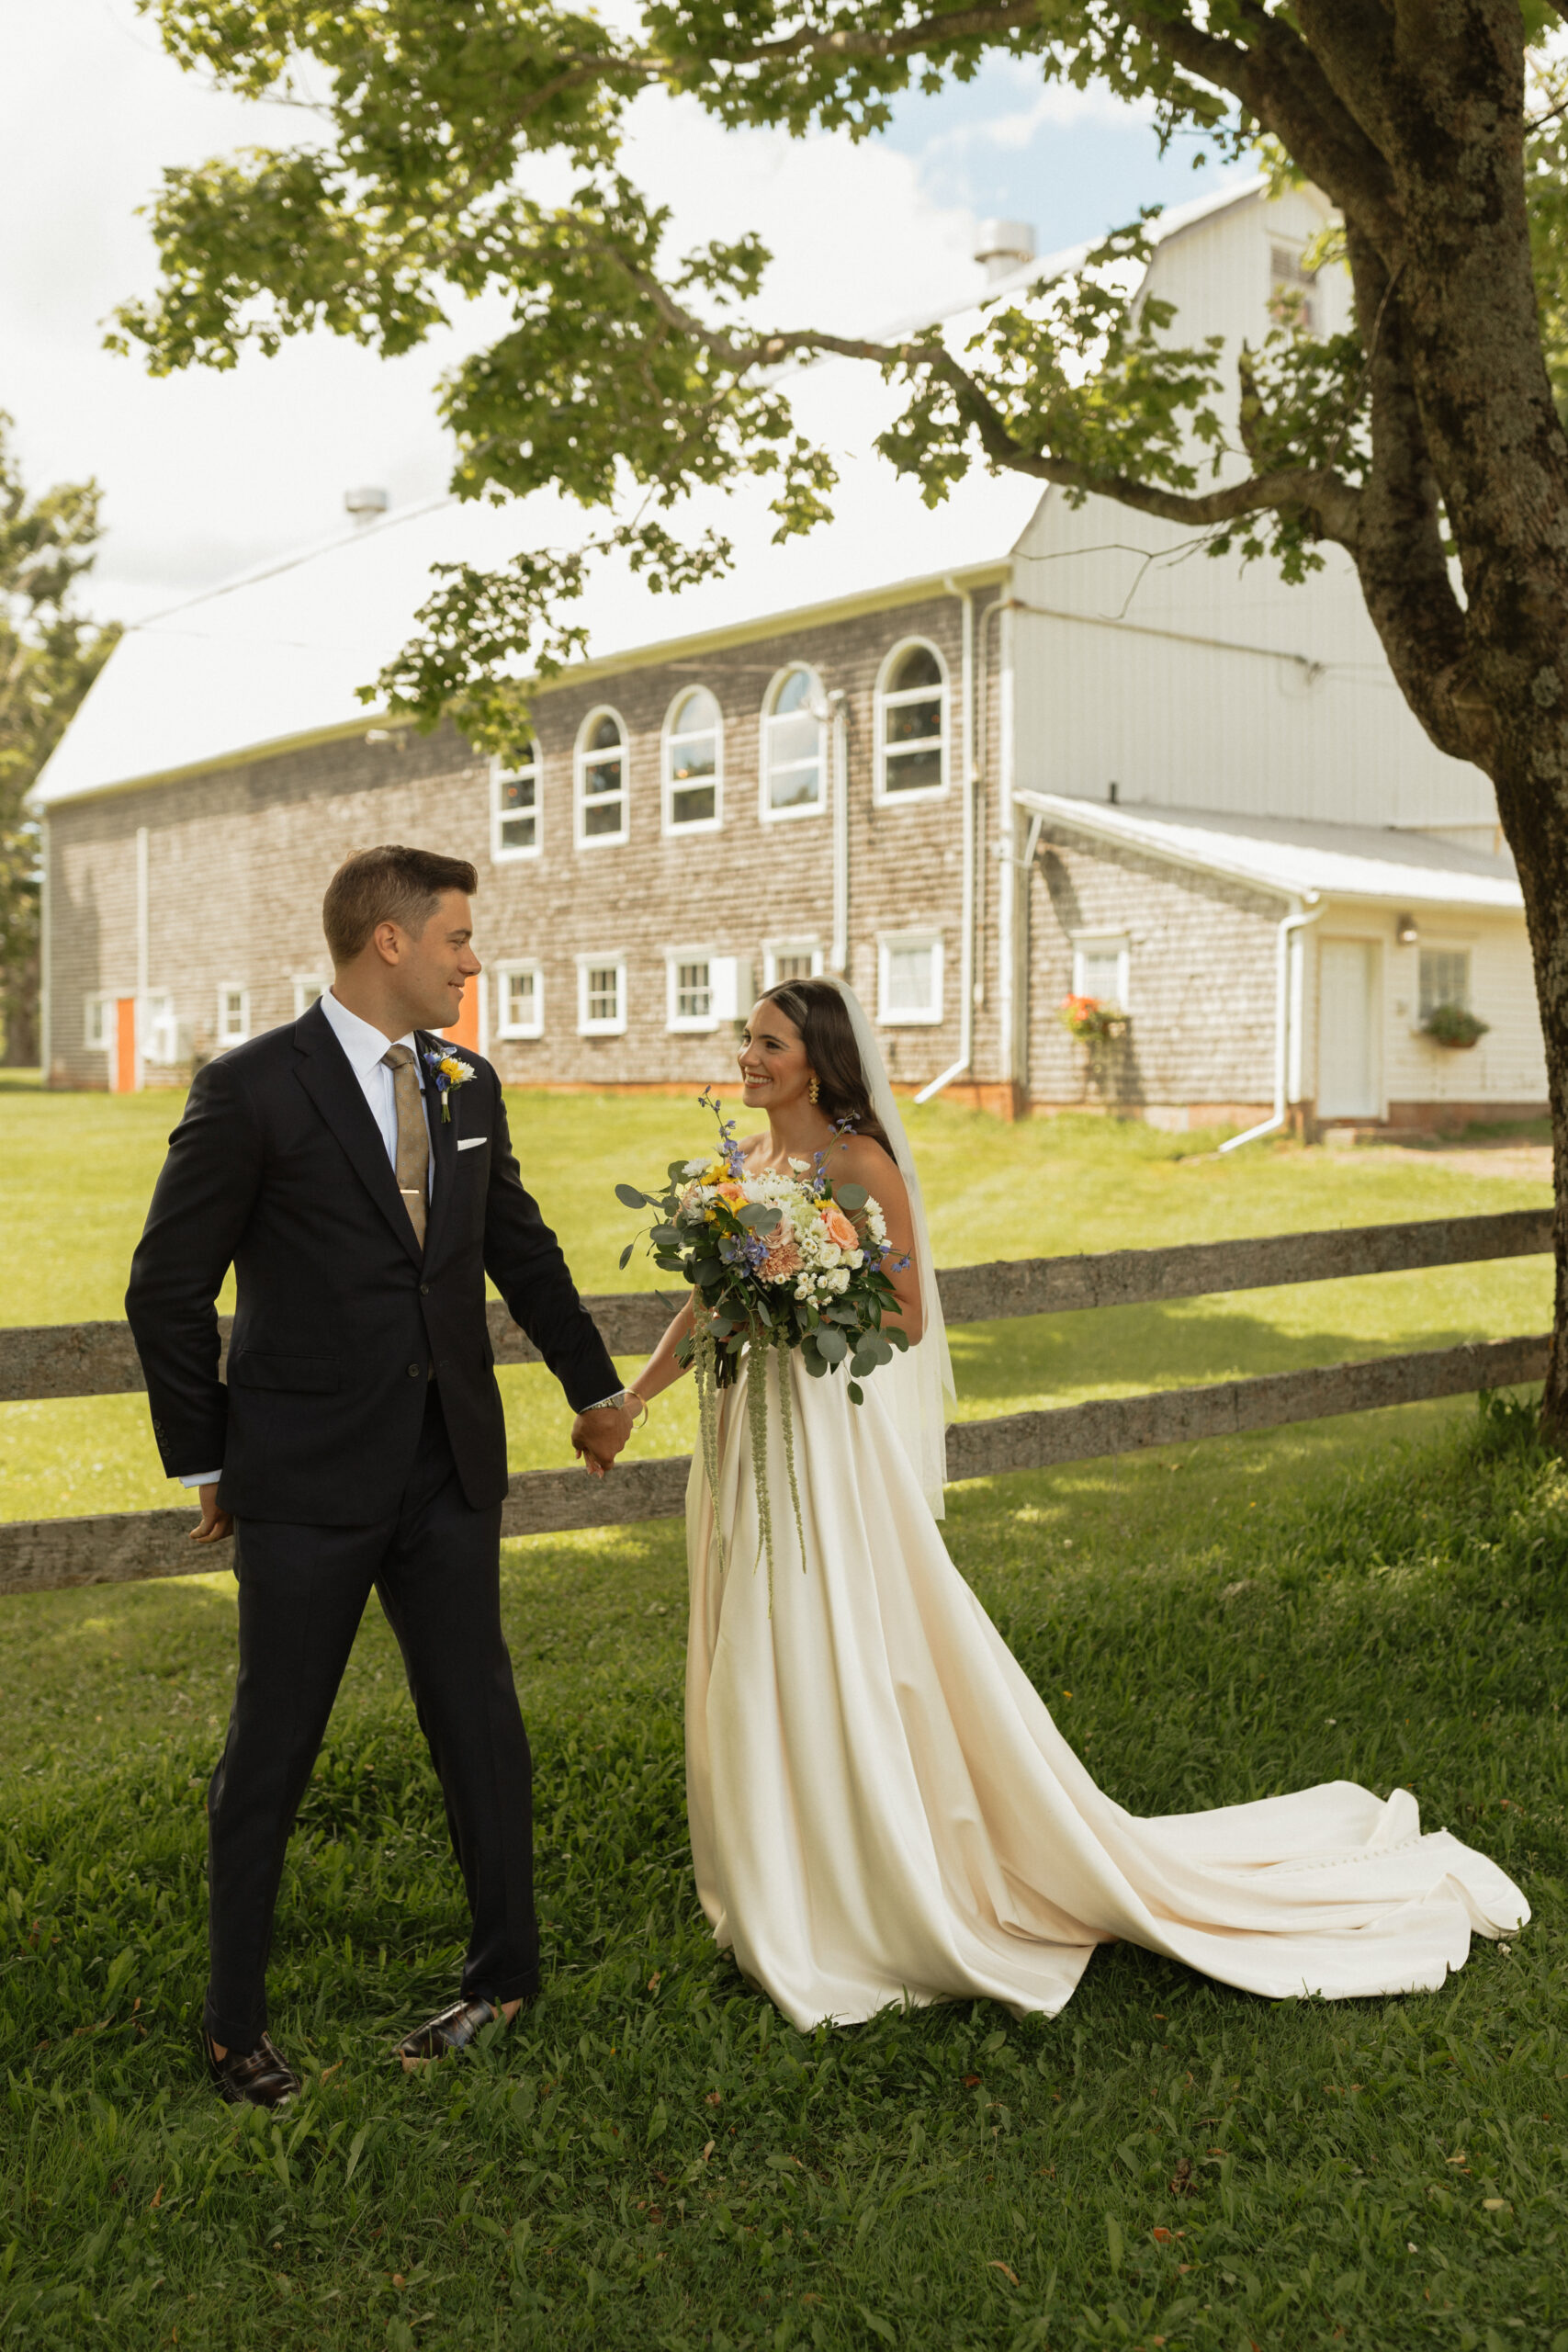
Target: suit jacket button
(414,1372)
(424,1290)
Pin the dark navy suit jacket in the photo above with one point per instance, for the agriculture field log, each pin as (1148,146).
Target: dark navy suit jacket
(278,1168)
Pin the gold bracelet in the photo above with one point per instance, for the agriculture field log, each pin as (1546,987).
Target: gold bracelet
(634,1396)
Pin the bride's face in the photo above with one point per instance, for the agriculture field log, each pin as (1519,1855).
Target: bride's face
(775,1071)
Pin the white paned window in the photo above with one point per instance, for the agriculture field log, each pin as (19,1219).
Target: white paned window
(692,754)
(160,1033)
(703,988)
(306,991)
(233,1013)
(690,971)
(1101,968)
(1293,290)
(519,1001)
(790,959)
(601,996)
(514,805)
(97,1019)
(909,978)
(795,748)
(601,779)
(1445,978)
(912,725)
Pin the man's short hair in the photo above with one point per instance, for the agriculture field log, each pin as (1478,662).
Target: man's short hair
(387,885)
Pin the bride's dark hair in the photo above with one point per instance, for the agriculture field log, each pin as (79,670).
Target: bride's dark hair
(822,1017)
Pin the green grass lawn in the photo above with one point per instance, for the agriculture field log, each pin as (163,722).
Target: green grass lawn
(76,1172)
(653,2158)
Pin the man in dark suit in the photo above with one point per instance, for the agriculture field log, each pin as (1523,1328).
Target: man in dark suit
(359,1176)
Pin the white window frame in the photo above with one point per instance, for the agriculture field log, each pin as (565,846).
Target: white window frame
(927,935)
(886,700)
(667,741)
(612,958)
(818,807)
(159,1039)
(307,988)
(1287,273)
(97,1025)
(240,1036)
(773,949)
(690,1024)
(582,758)
(504,853)
(1440,948)
(504,1025)
(1098,941)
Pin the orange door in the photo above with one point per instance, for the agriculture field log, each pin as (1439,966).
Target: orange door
(464,1030)
(123,1077)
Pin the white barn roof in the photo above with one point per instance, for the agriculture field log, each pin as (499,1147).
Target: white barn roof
(274,658)
(1298,859)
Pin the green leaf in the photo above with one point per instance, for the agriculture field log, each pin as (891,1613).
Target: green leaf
(626,1257)
(857,1395)
(850,1198)
(630,1198)
(757,1216)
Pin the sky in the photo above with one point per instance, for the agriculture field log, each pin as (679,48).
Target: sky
(206,475)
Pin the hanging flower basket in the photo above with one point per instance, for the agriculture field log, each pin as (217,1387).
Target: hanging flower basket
(1450,1024)
(1092,1023)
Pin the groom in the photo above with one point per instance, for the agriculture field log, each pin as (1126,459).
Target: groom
(359,1178)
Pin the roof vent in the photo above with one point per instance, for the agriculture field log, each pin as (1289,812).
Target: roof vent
(1003,246)
(364,505)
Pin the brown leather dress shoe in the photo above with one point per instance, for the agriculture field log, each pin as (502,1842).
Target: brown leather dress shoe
(257,2077)
(453,2029)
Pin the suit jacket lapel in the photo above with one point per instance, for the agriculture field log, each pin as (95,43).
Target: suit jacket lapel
(325,1074)
(443,1145)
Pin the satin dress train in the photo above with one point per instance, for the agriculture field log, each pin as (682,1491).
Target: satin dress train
(883,1811)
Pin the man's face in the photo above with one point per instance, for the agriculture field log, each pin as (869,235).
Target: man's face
(434,969)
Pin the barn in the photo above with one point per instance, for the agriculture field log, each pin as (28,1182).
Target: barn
(983,759)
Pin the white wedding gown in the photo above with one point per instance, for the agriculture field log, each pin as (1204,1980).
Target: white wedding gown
(882,1809)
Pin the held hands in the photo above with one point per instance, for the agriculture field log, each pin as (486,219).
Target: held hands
(217,1526)
(598,1436)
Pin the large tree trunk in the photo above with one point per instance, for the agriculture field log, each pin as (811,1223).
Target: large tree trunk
(1465,431)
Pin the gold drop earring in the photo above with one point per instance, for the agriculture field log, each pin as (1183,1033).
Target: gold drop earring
(812,1091)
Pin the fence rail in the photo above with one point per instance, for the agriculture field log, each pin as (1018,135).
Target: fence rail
(97,1359)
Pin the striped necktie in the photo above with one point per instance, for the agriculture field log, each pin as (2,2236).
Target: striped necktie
(413,1137)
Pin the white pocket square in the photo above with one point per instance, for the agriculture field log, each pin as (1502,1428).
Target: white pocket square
(471,1143)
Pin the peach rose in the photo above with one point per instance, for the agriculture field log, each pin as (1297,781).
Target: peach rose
(782,1261)
(734,1193)
(838,1229)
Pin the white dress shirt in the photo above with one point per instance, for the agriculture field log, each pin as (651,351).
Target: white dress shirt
(364,1047)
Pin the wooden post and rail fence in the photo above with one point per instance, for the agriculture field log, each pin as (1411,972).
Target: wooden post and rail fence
(100,1359)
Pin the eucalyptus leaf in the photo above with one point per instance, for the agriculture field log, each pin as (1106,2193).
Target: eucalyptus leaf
(832,1343)
(630,1198)
(851,1197)
(757,1216)
(857,1393)
(626,1256)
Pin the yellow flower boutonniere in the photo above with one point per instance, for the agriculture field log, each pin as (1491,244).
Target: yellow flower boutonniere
(447,1071)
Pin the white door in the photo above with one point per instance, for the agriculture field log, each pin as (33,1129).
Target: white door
(1347,1073)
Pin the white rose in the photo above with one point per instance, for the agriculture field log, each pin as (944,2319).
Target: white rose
(693,1168)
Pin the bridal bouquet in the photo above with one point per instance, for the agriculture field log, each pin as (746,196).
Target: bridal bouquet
(790,1262)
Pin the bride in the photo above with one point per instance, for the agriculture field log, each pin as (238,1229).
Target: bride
(882,1809)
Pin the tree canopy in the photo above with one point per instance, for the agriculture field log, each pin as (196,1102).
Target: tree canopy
(632,373)
(50,655)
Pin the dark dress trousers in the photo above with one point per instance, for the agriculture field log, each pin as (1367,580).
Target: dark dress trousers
(362,1445)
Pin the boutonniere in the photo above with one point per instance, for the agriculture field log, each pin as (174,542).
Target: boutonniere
(447,1071)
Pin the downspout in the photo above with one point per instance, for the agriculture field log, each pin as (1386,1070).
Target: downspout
(143,909)
(45,955)
(839,951)
(1296,921)
(970,783)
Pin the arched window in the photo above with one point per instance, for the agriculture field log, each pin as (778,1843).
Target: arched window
(692,758)
(911,722)
(514,804)
(794,762)
(601,779)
